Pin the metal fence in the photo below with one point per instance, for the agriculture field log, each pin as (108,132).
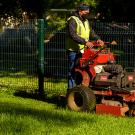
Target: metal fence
(121,33)
(18,57)
(124,35)
(34,57)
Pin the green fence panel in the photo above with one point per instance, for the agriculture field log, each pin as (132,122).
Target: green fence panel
(124,35)
(18,57)
(56,67)
(28,49)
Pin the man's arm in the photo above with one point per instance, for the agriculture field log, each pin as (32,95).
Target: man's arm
(72,32)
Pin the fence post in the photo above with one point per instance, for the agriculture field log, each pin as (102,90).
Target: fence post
(41,35)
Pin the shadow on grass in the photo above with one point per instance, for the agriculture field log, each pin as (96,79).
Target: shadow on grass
(59,100)
(59,118)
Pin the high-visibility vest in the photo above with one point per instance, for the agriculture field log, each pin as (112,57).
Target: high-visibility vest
(83,30)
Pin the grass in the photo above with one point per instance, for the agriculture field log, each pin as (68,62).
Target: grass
(23,115)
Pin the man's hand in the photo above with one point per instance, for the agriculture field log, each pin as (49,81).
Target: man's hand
(89,44)
(100,42)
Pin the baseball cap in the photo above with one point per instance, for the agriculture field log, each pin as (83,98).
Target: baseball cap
(83,7)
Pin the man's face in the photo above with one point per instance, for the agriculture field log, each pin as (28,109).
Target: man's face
(84,13)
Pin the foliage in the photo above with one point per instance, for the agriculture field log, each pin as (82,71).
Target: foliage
(57,17)
(109,10)
(114,10)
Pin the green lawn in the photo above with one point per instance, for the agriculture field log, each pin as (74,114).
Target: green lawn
(24,115)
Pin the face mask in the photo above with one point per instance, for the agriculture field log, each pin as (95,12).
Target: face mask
(85,16)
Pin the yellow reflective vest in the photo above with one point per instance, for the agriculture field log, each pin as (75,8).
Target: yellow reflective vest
(83,30)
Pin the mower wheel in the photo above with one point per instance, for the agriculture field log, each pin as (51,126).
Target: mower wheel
(81,98)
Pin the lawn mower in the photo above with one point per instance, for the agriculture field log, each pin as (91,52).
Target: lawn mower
(102,85)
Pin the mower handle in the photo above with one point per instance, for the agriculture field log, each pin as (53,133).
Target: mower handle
(105,43)
(86,63)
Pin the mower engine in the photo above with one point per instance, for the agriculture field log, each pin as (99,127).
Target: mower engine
(113,76)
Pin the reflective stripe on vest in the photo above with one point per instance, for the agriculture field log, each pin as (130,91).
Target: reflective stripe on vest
(83,30)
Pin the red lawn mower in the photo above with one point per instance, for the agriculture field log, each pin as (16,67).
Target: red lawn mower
(102,85)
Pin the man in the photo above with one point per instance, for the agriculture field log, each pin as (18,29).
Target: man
(79,34)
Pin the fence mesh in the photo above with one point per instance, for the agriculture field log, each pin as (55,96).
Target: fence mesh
(55,54)
(56,65)
(19,54)
(18,57)
(124,35)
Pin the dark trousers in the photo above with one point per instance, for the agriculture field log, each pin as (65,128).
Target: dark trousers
(72,60)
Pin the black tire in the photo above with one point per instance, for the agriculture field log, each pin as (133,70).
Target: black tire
(81,98)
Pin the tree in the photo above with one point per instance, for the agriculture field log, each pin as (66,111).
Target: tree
(108,9)
(121,10)
(9,7)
